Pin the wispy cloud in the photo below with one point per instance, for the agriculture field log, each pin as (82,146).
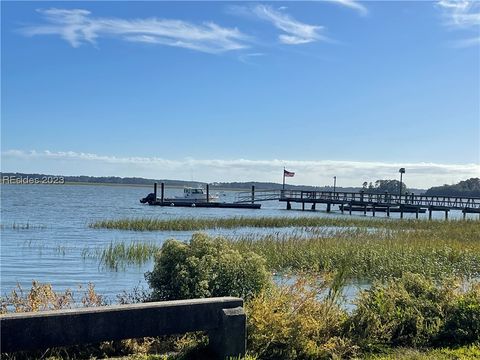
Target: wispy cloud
(295,32)
(352,4)
(462,15)
(78,26)
(349,173)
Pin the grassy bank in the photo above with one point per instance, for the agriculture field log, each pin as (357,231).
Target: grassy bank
(189,224)
(449,248)
(436,249)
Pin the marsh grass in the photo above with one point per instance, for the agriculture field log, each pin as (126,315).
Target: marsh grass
(448,249)
(117,255)
(436,249)
(189,224)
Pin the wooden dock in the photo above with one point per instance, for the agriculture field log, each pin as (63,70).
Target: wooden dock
(362,201)
(368,202)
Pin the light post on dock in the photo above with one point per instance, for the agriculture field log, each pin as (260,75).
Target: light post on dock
(401,171)
(334,184)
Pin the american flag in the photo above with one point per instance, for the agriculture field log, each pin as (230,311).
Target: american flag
(288,173)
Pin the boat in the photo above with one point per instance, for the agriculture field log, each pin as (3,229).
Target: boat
(196,194)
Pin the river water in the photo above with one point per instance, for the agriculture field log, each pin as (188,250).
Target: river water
(50,249)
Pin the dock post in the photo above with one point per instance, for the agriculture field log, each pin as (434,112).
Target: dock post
(364,209)
(313,206)
(162,192)
(446,214)
(289,206)
(416,213)
(303,205)
(208,192)
(373,210)
(253,194)
(401,211)
(388,211)
(429,213)
(154,192)
(329,207)
(350,209)
(341,208)
(464,214)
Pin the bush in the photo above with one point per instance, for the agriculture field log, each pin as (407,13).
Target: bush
(205,267)
(462,324)
(409,311)
(290,322)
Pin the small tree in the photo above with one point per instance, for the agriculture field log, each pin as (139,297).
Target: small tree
(205,267)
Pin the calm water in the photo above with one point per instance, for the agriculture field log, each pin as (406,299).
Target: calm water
(58,217)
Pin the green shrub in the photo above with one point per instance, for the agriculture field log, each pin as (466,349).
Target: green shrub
(205,267)
(462,324)
(291,322)
(409,311)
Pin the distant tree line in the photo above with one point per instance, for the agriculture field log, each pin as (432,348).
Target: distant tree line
(105,179)
(383,186)
(468,188)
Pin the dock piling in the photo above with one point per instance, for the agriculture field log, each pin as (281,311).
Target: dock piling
(253,194)
(154,191)
(162,192)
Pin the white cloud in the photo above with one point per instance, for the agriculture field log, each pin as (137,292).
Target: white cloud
(77,27)
(462,15)
(352,4)
(296,32)
(321,172)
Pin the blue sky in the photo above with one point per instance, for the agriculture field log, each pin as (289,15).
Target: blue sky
(227,91)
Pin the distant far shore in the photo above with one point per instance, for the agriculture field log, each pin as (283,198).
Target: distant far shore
(25,178)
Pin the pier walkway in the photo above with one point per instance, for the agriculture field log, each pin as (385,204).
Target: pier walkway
(366,202)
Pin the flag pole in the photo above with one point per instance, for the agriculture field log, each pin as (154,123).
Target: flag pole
(283,187)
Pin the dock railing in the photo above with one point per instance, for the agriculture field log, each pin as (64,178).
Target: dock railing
(222,318)
(387,199)
(256,196)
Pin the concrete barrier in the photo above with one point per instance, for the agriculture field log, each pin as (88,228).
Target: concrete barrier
(222,318)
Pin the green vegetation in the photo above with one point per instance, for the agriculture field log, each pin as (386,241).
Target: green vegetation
(411,317)
(460,353)
(469,188)
(382,186)
(120,254)
(432,248)
(414,311)
(422,304)
(293,323)
(205,268)
(189,224)
(444,249)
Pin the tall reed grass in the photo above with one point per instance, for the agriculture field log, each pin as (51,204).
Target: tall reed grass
(117,255)
(189,224)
